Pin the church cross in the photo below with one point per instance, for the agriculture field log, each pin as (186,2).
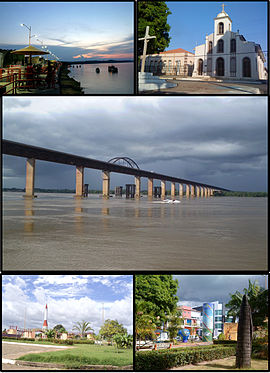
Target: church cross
(146,39)
(223,7)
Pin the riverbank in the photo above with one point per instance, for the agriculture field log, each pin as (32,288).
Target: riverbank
(68,86)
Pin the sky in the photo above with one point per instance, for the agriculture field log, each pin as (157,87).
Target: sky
(219,141)
(191,21)
(194,290)
(71,30)
(70,298)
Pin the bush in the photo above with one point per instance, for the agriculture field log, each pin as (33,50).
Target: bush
(166,359)
(260,348)
(224,342)
(83,341)
(63,341)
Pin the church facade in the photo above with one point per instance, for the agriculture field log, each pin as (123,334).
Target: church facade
(227,54)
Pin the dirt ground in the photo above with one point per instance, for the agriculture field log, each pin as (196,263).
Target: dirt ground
(223,364)
(187,87)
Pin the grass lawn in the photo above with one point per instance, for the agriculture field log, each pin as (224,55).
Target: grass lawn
(224,364)
(79,355)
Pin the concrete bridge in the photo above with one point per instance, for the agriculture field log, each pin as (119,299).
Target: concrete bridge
(32,153)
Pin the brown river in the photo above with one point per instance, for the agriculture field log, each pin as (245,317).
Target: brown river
(58,232)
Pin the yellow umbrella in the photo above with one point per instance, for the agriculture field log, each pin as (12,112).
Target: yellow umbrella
(30,51)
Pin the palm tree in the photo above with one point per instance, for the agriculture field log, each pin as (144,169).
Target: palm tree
(82,327)
(258,301)
(244,336)
(175,322)
(50,333)
(144,325)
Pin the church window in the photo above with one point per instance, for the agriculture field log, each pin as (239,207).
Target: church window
(233,66)
(246,67)
(210,47)
(233,45)
(170,66)
(220,46)
(220,67)
(220,28)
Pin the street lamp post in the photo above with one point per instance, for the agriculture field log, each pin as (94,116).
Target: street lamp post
(29,28)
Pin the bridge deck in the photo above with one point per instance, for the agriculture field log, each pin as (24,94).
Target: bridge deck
(44,154)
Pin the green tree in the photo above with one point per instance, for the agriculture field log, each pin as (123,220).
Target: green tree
(153,14)
(257,299)
(158,292)
(110,328)
(59,328)
(82,327)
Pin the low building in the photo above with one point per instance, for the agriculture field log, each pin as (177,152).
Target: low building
(192,320)
(230,331)
(173,62)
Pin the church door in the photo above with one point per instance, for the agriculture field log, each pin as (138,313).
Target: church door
(246,68)
(220,67)
(200,67)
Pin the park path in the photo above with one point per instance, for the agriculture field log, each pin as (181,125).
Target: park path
(13,350)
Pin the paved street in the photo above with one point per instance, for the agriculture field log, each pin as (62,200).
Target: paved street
(14,350)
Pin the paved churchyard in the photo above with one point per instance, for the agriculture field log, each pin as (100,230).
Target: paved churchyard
(187,87)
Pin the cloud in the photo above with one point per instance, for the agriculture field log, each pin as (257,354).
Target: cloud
(69,300)
(194,290)
(223,143)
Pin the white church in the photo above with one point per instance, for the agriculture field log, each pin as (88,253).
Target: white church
(227,54)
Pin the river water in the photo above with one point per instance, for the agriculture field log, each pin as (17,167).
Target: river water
(58,232)
(104,82)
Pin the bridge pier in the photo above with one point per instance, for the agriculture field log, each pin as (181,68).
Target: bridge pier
(30,178)
(172,189)
(79,181)
(187,190)
(211,192)
(197,191)
(201,191)
(106,184)
(208,192)
(163,188)
(181,191)
(138,187)
(192,190)
(150,187)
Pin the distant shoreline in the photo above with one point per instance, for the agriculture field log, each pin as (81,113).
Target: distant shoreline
(95,62)
(94,191)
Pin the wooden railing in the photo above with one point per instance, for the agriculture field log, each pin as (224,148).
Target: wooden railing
(15,81)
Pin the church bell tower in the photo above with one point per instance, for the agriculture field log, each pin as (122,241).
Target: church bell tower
(223,23)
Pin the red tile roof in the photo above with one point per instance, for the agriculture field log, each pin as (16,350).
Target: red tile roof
(178,50)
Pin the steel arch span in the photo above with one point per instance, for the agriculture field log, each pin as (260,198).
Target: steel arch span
(126,161)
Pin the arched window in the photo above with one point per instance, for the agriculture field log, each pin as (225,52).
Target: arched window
(233,45)
(220,46)
(221,28)
(200,67)
(210,47)
(220,67)
(233,66)
(246,67)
